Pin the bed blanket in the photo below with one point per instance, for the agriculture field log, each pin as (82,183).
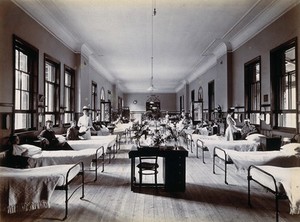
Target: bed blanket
(242,160)
(238,145)
(94,143)
(288,178)
(47,158)
(29,189)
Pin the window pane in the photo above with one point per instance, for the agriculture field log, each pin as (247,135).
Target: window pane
(67,99)
(68,117)
(287,120)
(293,92)
(22,121)
(18,80)
(23,62)
(257,72)
(25,82)
(68,81)
(255,118)
(17,99)
(25,100)
(50,73)
(51,99)
(17,59)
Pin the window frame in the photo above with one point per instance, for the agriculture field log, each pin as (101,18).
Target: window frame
(69,108)
(277,61)
(56,107)
(251,81)
(32,64)
(94,96)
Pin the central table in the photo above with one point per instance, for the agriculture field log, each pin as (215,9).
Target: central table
(174,165)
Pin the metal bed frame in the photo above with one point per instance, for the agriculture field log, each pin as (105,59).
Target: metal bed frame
(200,145)
(68,182)
(278,195)
(95,161)
(226,161)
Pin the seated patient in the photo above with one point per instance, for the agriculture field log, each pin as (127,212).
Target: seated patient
(73,132)
(247,128)
(49,140)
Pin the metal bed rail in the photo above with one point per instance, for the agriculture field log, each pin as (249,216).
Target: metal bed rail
(95,161)
(68,182)
(226,161)
(189,142)
(277,194)
(200,144)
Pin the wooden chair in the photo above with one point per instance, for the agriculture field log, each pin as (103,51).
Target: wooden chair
(148,166)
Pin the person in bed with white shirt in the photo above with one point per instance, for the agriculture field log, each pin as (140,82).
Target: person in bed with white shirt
(17,155)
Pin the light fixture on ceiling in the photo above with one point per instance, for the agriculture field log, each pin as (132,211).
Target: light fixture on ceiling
(152,88)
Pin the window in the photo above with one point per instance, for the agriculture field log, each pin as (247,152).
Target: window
(181,104)
(94,100)
(284,87)
(211,99)
(252,90)
(25,87)
(52,85)
(69,96)
(102,94)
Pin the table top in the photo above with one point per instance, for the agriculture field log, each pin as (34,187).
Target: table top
(162,151)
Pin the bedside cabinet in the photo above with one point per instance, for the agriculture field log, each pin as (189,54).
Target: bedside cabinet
(270,143)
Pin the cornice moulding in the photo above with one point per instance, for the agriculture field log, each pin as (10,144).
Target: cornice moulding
(51,25)
(264,19)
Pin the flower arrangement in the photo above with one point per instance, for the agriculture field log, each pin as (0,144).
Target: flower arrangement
(157,137)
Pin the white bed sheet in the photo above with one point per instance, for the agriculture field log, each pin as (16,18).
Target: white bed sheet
(195,137)
(94,143)
(121,128)
(238,145)
(30,189)
(242,160)
(48,158)
(288,178)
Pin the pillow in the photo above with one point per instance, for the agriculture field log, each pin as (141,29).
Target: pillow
(31,149)
(255,137)
(291,148)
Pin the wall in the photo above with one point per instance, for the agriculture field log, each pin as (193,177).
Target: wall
(13,21)
(219,74)
(87,75)
(167,101)
(282,30)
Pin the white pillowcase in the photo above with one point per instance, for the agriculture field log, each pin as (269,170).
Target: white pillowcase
(31,149)
(291,148)
(255,137)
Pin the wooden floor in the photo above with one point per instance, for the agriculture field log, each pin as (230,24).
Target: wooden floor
(206,198)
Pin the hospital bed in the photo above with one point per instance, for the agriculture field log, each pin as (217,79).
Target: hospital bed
(282,182)
(31,189)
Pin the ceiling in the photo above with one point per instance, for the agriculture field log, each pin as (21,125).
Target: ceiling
(188,35)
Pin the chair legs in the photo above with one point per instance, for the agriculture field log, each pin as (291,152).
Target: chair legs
(141,181)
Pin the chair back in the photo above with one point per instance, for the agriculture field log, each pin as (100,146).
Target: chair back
(148,159)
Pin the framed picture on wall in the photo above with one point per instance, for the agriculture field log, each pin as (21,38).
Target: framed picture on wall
(200,94)
(197,112)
